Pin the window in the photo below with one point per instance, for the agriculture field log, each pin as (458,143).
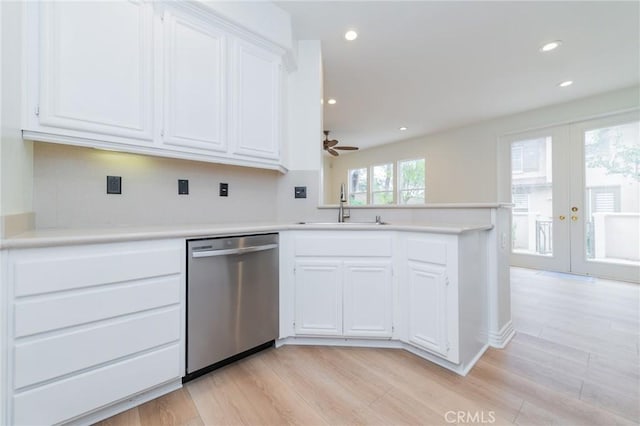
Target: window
(526,156)
(520,201)
(358,186)
(382,184)
(411,181)
(403,182)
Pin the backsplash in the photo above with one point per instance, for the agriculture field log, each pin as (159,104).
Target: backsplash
(70,190)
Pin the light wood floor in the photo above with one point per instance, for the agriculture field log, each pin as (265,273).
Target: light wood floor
(574,361)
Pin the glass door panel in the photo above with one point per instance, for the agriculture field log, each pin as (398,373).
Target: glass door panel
(606,220)
(539,234)
(532,196)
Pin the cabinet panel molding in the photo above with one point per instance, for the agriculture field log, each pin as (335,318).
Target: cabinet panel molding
(51,313)
(92,78)
(195,75)
(428,307)
(80,349)
(367,299)
(43,405)
(318,298)
(257,89)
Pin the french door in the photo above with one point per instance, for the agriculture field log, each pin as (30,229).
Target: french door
(576,195)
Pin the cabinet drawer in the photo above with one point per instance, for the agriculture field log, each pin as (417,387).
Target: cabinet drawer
(51,357)
(74,396)
(37,316)
(77,271)
(364,246)
(427,251)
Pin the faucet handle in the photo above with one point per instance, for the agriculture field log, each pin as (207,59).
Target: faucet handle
(378,220)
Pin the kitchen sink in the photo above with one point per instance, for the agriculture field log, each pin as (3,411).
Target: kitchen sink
(343,223)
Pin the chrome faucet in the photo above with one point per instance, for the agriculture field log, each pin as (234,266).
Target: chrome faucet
(342,215)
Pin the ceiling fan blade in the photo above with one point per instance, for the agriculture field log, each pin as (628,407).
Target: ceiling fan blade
(347,148)
(332,152)
(329,144)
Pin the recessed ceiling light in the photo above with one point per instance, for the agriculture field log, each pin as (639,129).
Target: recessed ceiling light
(331,101)
(550,46)
(565,83)
(402,129)
(351,35)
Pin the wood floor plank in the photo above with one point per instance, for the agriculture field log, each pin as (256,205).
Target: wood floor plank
(218,399)
(566,409)
(573,361)
(175,408)
(127,418)
(625,404)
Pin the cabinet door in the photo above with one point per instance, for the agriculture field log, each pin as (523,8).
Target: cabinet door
(195,101)
(257,97)
(428,307)
(318,296)
(95,73)
(368,299)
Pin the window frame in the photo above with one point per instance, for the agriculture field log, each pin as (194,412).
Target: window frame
(366,191)
(424,182)
(393,185)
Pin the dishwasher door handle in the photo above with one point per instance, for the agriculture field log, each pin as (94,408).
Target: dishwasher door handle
(226,252)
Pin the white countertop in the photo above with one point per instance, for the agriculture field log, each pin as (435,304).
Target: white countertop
(60,237)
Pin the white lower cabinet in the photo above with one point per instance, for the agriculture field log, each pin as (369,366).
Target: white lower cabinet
(343,285)
(367,298)
(430,293)
(427,287)
(92,325)
(318,294)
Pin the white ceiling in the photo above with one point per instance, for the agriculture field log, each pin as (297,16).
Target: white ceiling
(431,65)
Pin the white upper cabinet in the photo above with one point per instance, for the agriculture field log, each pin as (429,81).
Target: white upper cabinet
(172,79)
(96,67)
(257,101)
(195,71)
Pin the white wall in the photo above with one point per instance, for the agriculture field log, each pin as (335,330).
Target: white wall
(70,190)
(16,156)
(462,164)
(305,108)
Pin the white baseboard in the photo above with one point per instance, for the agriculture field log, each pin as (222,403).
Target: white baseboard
(500,339)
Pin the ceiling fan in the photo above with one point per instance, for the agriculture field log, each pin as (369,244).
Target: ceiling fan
(330,145)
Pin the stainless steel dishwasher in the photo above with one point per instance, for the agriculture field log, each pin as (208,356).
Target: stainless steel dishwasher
(232,299)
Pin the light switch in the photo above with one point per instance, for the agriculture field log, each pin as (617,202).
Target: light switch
(300,192)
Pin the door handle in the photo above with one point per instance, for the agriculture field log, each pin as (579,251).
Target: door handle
(562,217)
(574,218)
(226,252)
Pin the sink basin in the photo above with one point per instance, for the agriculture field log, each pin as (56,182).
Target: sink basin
(343,223)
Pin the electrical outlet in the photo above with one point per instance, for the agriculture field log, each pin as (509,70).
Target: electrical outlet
(224,189)
(300,192)
(183,187)
(114,185)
